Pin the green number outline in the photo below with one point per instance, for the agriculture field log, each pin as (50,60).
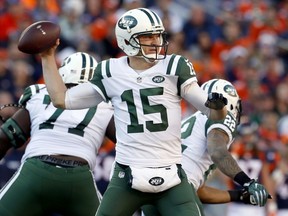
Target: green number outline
(191,121)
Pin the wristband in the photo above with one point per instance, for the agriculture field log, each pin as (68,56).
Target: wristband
(241,178)
(234,195)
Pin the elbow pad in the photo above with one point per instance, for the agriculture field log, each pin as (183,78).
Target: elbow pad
(16,136)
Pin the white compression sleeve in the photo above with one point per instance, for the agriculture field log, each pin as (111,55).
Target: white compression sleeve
(82,96)
(196,97)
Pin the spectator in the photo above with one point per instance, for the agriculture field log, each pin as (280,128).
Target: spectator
(232,37)
(279,206)
(199,21)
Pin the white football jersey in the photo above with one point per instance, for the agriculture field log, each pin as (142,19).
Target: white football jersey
(147,108)
(58,131)
(196,161)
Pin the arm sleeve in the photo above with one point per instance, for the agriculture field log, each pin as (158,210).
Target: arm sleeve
(82,96)
(196,97)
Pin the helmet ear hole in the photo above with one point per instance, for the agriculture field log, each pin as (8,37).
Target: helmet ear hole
(126,42)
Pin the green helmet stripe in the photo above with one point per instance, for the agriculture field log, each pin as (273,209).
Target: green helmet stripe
(211,86)
(91,67)
(83,66)
(149,16)
(157,18)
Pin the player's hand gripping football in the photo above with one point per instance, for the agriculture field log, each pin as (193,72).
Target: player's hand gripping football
(51,51)
(254,193)
(216,101)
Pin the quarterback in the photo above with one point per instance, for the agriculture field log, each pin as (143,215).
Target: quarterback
(145,88)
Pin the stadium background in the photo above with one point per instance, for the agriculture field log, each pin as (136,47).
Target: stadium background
(243,41)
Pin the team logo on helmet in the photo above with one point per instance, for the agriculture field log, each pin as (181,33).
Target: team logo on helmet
(230,90)
(127,22)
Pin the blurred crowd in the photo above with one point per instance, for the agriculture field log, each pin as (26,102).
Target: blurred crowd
(243,41)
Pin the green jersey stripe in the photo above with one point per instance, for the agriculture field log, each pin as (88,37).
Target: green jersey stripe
(101,73)
(28,92)
(34,89)
(170,64)
(174,66)
(26,96)
(37,88)
(107,68)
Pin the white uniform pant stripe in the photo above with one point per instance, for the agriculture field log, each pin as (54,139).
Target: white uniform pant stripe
(11,181)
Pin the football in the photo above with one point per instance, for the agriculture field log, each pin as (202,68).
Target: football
(38,37)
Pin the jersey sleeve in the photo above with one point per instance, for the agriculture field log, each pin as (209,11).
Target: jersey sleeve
(102,70)
(228,125)
(29,92)
(185,72)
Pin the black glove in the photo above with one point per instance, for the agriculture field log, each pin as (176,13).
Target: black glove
(216,101)
(245,197)
(242,196)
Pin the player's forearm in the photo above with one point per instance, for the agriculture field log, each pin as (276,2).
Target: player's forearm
(53,81)
(15,131)
(209,195)
(227,165)
(217,142)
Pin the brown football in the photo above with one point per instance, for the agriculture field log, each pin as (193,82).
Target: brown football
(38,37)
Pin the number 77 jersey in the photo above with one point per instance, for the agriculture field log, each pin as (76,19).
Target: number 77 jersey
(58,131)
(147,108)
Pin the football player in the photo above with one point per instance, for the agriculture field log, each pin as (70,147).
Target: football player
(56,169)
(205,147)
(145,88)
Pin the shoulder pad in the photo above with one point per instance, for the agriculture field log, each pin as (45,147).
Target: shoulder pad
(29,91)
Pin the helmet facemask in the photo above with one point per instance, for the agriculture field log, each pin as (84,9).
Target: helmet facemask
(160,50)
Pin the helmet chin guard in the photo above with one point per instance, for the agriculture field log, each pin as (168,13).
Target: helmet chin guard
(136,22)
